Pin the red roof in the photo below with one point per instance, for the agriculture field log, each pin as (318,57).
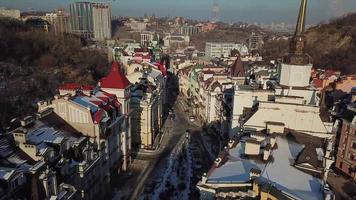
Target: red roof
(318,83)
(238,70)
(141,50)
(115,79)
(75,86)
(162,68)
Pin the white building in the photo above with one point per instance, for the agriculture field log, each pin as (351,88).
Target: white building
(59,21)
(217,49)
(176,40)
(101,21)
(146,38)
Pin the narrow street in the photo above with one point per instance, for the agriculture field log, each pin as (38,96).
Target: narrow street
(145,169)
(148,165)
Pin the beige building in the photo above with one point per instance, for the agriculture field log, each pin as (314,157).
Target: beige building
(95,114)
(116,83)
(59,22)
(48,139)
(147,100)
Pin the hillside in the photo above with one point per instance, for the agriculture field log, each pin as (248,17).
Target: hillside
(34,63)
(331,45)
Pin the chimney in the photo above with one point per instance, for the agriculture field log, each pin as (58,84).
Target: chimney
(204,178)
(267,152)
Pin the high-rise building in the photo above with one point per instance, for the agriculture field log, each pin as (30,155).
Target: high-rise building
(101,21)
(59,22)
(81,17)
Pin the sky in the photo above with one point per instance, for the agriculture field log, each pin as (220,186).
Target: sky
(260,11)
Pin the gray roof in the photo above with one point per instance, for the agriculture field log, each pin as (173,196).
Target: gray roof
(280,173)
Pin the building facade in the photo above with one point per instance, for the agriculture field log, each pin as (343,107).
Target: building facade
(218,50)
(188,30)
(81,17)
(345,128)
(101,21)
(59,22)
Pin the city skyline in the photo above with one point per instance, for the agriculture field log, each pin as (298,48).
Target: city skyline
(230,11)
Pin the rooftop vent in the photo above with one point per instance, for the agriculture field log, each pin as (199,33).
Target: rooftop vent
(27,121)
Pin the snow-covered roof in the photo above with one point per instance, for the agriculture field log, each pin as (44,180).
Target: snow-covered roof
(279,172)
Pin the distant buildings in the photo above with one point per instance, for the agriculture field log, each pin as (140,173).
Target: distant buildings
(206,27)
(146,38)
(12,13)
(59,22)
(138,26)
(81,17)
(254,42)
(188,30)
(176,40)
(101,21)
(218,50)
(38,23)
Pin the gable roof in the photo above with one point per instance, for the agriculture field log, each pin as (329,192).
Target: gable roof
(238,70)
(115,79)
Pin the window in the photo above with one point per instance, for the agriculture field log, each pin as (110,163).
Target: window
(353,145)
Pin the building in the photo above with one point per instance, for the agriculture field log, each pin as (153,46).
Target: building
(176,40)
(38,23)
(148,99)
(206,27)
(101,21)
(146,38)
(117,83)
(254,41)
(218,50)
(188,30)
(51,153)
(81,17)
(345,129)
(59,22)
(251,166)
(12,13)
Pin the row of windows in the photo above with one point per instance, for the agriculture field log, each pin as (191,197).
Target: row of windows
(77,116)
(18,135)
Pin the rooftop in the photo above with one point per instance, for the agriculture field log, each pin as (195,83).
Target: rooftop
(279,172)
(116,79)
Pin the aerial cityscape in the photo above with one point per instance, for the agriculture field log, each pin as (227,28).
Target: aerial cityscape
(160,100)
